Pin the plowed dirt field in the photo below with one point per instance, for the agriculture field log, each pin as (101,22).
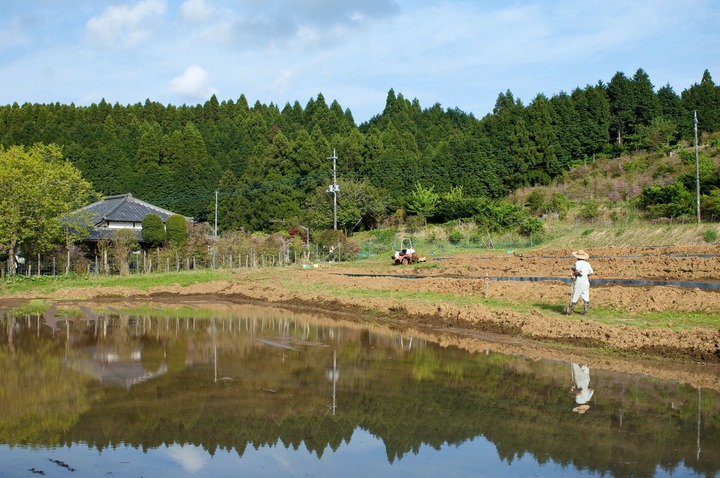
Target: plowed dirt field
(470,301)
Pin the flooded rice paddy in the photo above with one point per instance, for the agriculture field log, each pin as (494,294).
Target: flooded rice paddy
(264,392)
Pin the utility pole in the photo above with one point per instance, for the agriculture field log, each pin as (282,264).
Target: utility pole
(307,237)
(214,247)
(334,189)
(216,212)
(697,170)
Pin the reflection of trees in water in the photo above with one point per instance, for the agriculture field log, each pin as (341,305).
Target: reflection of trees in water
(408,398)
(40,399)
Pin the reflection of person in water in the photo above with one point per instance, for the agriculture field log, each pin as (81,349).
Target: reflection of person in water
(581,387)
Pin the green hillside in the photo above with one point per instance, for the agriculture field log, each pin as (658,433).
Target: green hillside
(606,155)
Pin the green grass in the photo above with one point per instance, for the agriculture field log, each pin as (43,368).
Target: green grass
(46,284)
(673,320)
(34,307)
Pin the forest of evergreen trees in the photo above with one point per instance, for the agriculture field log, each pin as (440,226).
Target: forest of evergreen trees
(272,167)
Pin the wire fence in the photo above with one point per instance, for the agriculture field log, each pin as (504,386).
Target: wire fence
(159,261)
(149,261)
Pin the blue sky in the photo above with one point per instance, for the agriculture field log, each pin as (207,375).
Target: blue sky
(459,53)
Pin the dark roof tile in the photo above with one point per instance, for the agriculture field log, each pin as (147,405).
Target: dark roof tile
(123,208)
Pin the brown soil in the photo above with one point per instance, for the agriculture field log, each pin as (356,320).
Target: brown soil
(530,322)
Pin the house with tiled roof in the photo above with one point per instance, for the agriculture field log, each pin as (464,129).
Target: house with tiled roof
(122,211)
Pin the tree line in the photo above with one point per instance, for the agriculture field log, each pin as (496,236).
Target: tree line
(271,166)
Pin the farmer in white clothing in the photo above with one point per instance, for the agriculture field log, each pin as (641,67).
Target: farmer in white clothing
(581,387)
(581,272)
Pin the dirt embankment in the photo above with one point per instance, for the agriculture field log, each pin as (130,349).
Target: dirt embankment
(436,299)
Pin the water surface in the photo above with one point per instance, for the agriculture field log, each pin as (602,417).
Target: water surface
(264,392)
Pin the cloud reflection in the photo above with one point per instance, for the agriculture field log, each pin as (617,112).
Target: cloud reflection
(191,458)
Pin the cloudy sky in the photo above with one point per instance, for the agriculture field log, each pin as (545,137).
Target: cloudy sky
(459,53)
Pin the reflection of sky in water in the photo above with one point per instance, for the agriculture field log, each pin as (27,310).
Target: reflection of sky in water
(472,397)
(363,456)
(191,458)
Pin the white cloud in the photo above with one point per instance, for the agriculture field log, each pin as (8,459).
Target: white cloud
(125,25)
(195,11)
(194,83)
(246,25)
(191,458)
(455,52)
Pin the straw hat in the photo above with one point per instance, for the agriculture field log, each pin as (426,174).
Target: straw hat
(580,254)
(581,409)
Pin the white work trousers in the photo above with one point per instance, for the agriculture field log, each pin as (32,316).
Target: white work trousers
(582,289)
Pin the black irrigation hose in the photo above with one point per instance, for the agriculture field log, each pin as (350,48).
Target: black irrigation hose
(637,256)
(595,282)
(628,282)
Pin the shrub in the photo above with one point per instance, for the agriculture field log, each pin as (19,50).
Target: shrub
(558,203)
(176,230)
(672,200)
(535,201)
(153,230)
(637,164)
(499,215)
(532,226)
(589,210)
(455,237)
(711,202)
(710,235)
(687,156)
(384,236)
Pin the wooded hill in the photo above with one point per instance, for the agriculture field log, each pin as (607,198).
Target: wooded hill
(272,167)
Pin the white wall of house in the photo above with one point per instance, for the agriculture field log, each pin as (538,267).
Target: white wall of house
(124,225)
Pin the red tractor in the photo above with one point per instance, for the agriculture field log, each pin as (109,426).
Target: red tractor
(407,254)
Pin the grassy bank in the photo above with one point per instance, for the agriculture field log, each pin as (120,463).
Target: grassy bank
(43,285)
(561,235)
